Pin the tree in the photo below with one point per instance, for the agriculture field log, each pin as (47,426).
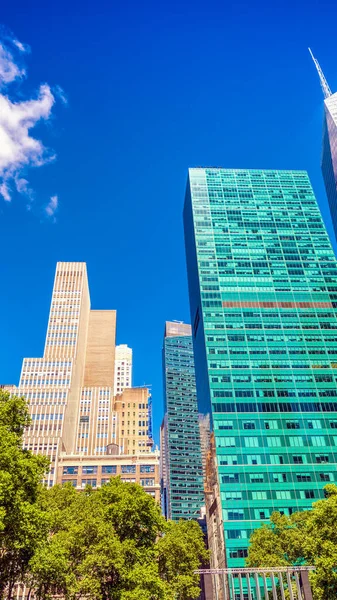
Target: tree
(113,544)
(22,523)
(105,544)
(308,537)
(180,552)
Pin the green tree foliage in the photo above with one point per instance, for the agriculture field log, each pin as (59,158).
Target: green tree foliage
(113,544)
(107,544)
(308,537)
(22,523)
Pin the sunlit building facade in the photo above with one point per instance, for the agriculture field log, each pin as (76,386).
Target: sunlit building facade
(263,295)
(77,420)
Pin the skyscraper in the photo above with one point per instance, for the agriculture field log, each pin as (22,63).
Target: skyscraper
(181,471)
(329,144)
(88,434)
(123,368)
(263,295)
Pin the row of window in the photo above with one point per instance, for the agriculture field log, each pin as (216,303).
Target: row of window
(274,407)
(275,459)
(276,441)
(93,469)
(274,424)
(148,482)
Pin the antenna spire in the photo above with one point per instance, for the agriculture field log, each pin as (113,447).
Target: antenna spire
(324,84)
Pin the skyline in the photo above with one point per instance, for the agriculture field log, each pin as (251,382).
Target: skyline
(147,119)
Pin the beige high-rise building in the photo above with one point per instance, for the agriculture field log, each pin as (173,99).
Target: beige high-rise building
(76,419)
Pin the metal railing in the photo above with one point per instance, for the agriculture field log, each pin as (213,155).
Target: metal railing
(269,583)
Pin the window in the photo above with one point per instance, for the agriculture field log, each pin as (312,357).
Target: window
(254,459)
(296,441)
(318,440)
(276,460)
(228,460)
(89,470)
(233,515)
(283,495)
(147,482)
(72,481)
(292,425)
(262,514)
(333,424)
(307,494)
(128,468)
(326,476)
(322,458)
(316,424)
(249,425)
(70,470)
(84,419)
(298,460)
(238,553)
(279,478)
(147,468)
(224,425)
(231,495)
(303,477)
(109,469)
(226,442)
(271,424)
(256,478)
(236,534)
(259,495)
(273,442)
(251,442)
(230,478)
(92,482)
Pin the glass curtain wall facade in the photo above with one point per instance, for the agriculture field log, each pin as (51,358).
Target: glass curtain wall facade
(184,493)
(329,155)
(263,295)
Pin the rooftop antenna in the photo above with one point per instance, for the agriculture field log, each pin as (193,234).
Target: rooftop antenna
(324,84)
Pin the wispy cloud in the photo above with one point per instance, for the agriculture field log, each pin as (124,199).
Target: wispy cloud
(59,93)
(18,148)
(52,206)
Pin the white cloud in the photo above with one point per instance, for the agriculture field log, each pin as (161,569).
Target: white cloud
(9,70)
(52,206)
(18,148)
(4,191)
(22,47)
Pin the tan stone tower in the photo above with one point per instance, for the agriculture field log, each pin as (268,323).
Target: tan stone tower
(76,419)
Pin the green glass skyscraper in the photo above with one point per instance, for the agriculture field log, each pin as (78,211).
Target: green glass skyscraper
(263,295)
(181,464)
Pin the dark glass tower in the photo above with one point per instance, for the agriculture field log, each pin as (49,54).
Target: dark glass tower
(263,295)
(182,485)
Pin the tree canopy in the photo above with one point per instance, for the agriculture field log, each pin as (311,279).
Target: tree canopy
(308,537)
(107,544)
(22,523)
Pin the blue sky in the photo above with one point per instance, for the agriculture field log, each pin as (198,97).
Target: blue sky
(152,88)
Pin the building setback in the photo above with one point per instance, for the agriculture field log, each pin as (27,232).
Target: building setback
(88,433)
(263,295)
(181,463)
